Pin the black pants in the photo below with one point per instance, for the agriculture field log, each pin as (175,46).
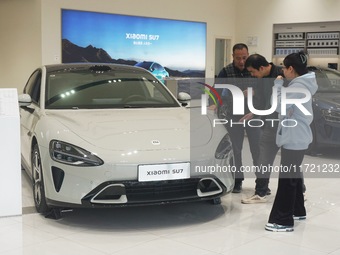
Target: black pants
(289,199)
(236,133)
(268,151)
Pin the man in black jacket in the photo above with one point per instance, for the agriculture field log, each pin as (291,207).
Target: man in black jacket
(267,72)
(236,74)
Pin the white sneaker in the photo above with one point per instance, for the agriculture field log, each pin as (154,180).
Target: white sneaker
(254,199)
(278,228)
(299,217)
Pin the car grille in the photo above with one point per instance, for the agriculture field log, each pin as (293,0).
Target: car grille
(160,191)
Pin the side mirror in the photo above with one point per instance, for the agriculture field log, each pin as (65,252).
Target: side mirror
(184,98)
(24,100)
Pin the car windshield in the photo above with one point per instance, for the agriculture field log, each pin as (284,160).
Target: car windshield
(328,80)
(88,89)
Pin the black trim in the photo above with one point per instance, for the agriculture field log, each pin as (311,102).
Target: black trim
(28,109)
(58,177)
(148,193)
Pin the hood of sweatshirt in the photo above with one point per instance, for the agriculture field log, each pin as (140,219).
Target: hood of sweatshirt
(298,136)
(307,80)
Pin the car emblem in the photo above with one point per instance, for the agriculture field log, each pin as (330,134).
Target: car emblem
(155,142)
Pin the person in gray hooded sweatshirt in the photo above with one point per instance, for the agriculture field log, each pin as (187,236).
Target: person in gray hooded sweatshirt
(293,137)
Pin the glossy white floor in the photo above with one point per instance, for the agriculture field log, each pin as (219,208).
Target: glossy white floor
(194,228)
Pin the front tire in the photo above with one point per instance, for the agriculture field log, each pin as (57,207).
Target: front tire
(38,182)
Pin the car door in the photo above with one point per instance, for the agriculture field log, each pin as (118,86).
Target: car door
(29,116)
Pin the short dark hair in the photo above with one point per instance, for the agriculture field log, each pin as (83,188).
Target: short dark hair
(240,46)
(298,61)
(256,61)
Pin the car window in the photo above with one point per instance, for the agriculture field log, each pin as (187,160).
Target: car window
(145,65)
(334,79)
(33,86)
(328,80)
(67,89)
(157,66)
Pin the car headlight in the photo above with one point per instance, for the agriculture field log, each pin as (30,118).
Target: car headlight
(224,148)
(72,155)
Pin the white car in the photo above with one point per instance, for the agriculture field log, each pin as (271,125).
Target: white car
(95,135)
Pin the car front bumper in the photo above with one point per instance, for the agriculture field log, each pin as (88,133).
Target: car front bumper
(133,193)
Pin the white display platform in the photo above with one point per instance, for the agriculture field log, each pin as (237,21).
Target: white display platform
(10,167)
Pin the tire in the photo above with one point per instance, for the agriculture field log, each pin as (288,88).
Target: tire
(38,182)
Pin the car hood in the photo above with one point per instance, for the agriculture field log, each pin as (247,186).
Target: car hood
(328,100)
(126,129)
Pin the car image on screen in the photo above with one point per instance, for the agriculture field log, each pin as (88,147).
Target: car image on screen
(155,68)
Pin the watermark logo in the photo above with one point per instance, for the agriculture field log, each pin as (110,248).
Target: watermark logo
(204,97)
(239,99)
(301,96)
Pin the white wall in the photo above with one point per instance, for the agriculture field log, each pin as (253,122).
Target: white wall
(10,170)
(20,41)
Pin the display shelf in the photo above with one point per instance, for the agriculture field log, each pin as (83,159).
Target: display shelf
(287,43)
(323,44)
(320,45)
(320,40)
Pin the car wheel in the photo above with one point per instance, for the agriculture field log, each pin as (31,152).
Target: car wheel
(38,182)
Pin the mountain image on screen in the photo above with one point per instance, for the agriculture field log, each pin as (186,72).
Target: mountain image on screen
(72,53)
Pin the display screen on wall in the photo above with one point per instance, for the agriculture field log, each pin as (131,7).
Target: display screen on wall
(179,46)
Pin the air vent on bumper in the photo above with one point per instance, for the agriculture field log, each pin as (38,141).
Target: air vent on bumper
(58,177)
(111,194)
(208,187)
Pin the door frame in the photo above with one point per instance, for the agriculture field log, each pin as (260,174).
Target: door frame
(223,55)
